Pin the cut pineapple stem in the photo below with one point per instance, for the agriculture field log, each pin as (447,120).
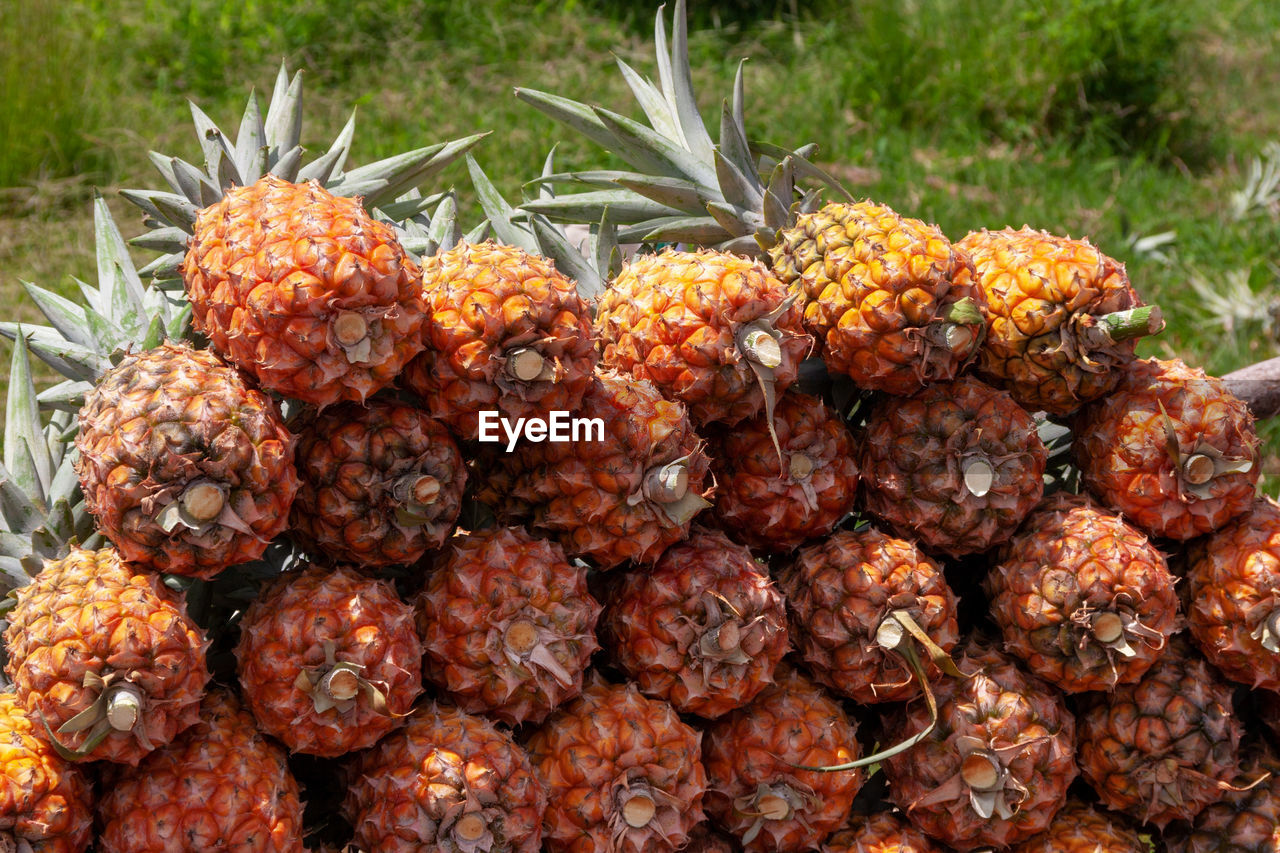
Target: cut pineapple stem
(979,476)
(203,502)
(521,637)
(773,807)
(341,683)
(801,466)
(417,489)
(350,328)
(667,483)
(124,706)
(1107,627)
(981,772)
(525,364)
(1133,323)
(471,827)
(761,346)
(638,811)
(1198,469)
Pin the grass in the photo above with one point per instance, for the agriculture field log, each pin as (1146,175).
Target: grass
(1116,119)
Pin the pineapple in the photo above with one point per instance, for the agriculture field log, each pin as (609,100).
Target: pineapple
(380,484)
(760,763)
(1245,821)
(1082,597)
(221,785)
(1170,448)
(846,594)
(997,766)
(1063,317)
(46,802)
(622,772)
(304,290)
(715,331)
(106,656)
(704,628)
(1163,748)
(1082,828)
(778,505)
(705,838)
(1232,578)
(626,497)
(187,468)
(956,466)
(507,624)
(449,782)
(505,332)
(880,832)
(329,660)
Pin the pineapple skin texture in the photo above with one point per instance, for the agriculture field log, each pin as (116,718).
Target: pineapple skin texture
(93,613)
(273,265)
(169,417)
(1242,821)
(776,509)
(221,785)
(485,301)
(793,721)
(656,620)
(839,590)
(871,282)
(1072,557)
(282,637)
(585,494)
(1042,294)
(1232,576)
(482,584)
(349,459)
(1081,828)
(407,793)
(1121,447)
(673,318)
(608,743)
(913,452)
(1002,709)
(882,832)
(1177,720)
(45,800)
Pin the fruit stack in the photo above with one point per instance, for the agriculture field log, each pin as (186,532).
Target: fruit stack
(856,538)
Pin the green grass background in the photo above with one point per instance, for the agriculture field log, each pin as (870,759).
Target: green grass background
(1112,119)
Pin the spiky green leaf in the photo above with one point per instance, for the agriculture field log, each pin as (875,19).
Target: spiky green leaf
(644,149)
(283,126)
(692,128)
(167,239)
(25,455)
(652,102)
(699,230)
(69,359)
(65,316)
(331,162)
(625,207)
(498,211)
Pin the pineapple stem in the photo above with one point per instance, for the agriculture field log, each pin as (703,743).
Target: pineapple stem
(638,811)
(471,827)
(979,476)
(1133,323)
(341,683)
(521,637)
(801,466)
(773,807)
(525,364)
(981,772)
(350,328)
(759,345)
(1107,627)
(124,706)
(203,502)
(667,483)
(1198,469)
(418,489)
(963,312)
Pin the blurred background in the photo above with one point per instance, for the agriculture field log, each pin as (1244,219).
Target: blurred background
(1150,126)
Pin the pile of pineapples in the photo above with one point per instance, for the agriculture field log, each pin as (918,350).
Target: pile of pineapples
(883,542)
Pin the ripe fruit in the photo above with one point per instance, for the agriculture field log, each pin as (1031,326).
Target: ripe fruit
(889,300)
(187,468)
(715,331)
(776,504)
(1246,821)
(843,590)
(758,790)
(957,466)
(1232,577)
(447,781)
(996,767)
(1081,597)
(1062,317)
(703,629)
(1165,747)
(304,290)
(46,802)
(505,331)
(221,785)
(880,832)
(105,655)
(328,660)
(1170,448)
(507,624)
(380,484)
(1082,828)
(625,497)
(622,773)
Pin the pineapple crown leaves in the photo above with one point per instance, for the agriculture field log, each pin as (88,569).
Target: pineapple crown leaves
(272,145)
(734,195)
(81,341)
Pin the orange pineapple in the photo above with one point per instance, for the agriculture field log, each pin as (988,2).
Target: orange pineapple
(777,504)
(46,802)
(328,660)
(703,629)
(622,772)
(447,782)
(881,832)
(505,332)
(380,484)
(106,656)
(507,624)
(221,785)
(1169,447)
(304,290)
(1082,828)
(1063,317)
(1243,821)
(187,468)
